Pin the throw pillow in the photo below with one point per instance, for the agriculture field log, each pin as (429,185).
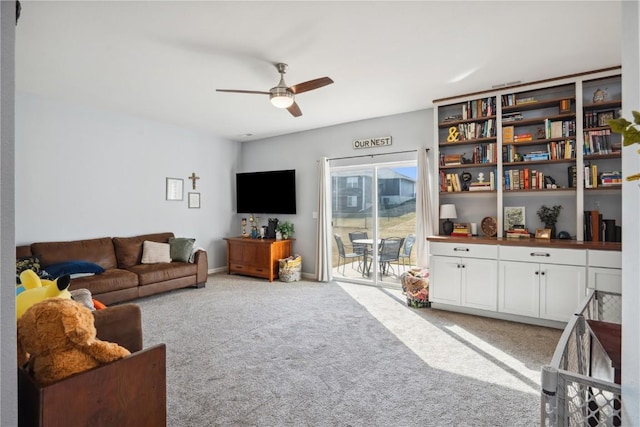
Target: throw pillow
(73,267)
(30,263)
(154,252)
(180,248)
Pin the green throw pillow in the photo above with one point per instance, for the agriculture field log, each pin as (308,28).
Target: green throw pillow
(180,248)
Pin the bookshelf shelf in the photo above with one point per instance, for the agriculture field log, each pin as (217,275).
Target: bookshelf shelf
(469,165)
(564,141)
(468,142)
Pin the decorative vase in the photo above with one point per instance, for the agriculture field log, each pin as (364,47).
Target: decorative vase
(552,227)
(278,235)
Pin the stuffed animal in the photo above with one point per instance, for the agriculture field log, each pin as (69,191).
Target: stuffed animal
(57,338)
(36,290)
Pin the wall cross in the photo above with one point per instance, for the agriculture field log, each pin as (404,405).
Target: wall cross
(193,177)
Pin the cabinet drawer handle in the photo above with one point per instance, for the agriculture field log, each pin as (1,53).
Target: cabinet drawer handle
(461,249)
(540,254)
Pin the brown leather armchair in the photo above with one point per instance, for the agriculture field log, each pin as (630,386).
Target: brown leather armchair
(127,392)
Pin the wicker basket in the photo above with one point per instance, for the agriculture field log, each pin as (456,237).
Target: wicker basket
(290,269)
(416,289)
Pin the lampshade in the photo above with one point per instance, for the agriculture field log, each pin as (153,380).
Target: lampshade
(448,211)
(281,98)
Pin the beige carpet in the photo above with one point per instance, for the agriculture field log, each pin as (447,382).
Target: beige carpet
(246,352)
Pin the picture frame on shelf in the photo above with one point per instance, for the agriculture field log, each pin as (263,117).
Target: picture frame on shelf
(513,216)
(565,106)
(194,200)
(605,116)
(543,233)
(175,188)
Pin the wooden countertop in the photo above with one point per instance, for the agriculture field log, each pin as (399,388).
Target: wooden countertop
(542,243)
(610,337)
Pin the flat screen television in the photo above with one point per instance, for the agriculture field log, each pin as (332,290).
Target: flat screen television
(270,192)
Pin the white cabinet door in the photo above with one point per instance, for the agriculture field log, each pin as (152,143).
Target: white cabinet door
(519,288)
(479,283)
(605,279)
(444,280)
(562,289)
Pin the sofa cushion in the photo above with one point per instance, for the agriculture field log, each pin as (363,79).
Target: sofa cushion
(73,267)
(181,248)
(129,249)
(154,252)
(154,273)
(99,251)
(112,279)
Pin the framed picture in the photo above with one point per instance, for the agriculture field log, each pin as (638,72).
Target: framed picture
(514,216)
(194,200)
(175,188)
(604,117)
(543,233)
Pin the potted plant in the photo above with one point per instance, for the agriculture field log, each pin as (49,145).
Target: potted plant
(549,216)
(630,133)
(285,229)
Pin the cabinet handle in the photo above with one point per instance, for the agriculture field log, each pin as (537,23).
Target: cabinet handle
(461,249)
(537,272)
(542,273)
(540,254)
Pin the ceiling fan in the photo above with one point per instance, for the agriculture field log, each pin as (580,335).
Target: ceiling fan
(283,96)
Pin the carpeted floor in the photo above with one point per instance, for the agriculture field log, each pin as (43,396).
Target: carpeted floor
(246,352)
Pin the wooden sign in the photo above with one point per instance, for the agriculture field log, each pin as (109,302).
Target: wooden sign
(372,142)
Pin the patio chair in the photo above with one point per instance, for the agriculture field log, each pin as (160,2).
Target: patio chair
(359,248)
(342,255)
(405,253)
(388,252)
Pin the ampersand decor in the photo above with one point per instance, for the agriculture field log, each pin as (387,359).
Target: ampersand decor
(453,134)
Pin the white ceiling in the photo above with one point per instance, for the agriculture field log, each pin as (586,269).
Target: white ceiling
(164,59)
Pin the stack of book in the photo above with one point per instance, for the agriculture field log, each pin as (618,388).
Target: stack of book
(522,137)
(517,233)
(480,186)
(461,230)
(607,179)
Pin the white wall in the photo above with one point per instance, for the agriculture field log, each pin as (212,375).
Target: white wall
(301,151)
(85,173)
(630,209)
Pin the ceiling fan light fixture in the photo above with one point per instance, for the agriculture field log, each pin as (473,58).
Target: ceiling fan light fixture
(281,97)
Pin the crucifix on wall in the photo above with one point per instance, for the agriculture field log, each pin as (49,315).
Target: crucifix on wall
(193,178)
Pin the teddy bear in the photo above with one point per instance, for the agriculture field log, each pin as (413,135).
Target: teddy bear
(35,290)
(57,338)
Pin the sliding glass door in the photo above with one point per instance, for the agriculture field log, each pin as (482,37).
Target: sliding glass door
(373,215)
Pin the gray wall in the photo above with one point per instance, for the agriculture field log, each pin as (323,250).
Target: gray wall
(85,173)
(301,151)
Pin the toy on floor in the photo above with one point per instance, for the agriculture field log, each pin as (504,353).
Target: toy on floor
(36,290)
(57,338)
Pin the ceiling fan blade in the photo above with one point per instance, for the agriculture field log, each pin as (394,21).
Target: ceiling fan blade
(310,85)
(243,91)
(294,110)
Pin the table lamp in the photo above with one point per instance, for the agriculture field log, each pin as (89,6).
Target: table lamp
(448,212)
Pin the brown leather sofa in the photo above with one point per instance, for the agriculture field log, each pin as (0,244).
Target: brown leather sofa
(128,392)
(125,277)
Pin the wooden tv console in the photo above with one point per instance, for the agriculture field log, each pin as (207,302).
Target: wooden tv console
(256,257)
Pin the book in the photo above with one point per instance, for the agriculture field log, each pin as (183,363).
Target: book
(572,176)
(507,134)
(596,220)
(587,226)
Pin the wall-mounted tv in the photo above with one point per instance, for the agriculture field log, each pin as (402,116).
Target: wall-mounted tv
(271,192)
